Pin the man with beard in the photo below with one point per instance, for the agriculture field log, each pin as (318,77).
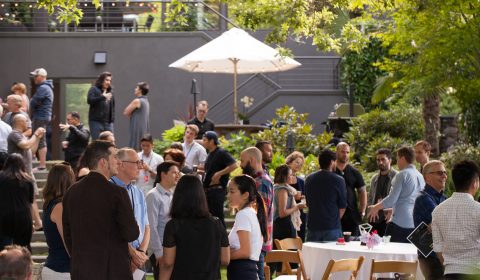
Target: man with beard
(218,166)
(355,185)
(380,187)
(251,164)
(266,149)
(96,234)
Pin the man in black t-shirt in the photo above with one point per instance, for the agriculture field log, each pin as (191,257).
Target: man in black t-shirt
(201,120)
(380,187)
(326,199)
(218,166)
(355,185)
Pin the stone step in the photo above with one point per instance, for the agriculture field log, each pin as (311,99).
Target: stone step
(39,248)
(41,174)
(41,183)
(39,258)
(38,236)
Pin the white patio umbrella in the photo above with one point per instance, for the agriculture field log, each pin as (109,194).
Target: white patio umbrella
(235,52)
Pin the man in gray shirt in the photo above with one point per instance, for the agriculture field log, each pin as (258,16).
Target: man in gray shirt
(158,208)
(5,130)
(406,186)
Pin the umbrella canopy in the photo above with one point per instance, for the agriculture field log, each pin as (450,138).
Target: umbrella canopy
(235,52)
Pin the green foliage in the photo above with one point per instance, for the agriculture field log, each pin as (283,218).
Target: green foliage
(277,160)
(174,134)
(288,121)
(457,153)
(236,143)
(66,10)
(360,70)
(311,165)
(400,124)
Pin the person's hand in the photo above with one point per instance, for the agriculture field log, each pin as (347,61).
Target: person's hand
(146,167)
(216,179)
(139,258)
(298,196)
(64,144)
(40,132)
(64,127)
(388,214)
(373,213)
(300,206)
(108,95)
(133,266)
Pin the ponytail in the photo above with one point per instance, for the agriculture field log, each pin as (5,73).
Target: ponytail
(245,184)
(261,215)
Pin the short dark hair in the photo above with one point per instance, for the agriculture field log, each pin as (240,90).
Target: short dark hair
(144,88)
(75,115)
(95,151)
(101,78)
(189,200)
(384,151)
(104,135)
(147,138)
(177,156)
(164,167)
(176,145)
(463,175)
(406,152)
(281,174)
(259,145)
(14,265)
(326,157)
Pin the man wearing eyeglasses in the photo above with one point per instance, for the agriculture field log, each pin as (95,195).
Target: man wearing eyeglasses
(432,195)
(201,120)
(128,171)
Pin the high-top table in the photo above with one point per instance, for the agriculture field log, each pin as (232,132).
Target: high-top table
(317,255)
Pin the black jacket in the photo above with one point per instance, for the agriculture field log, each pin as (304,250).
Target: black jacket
(100,109)
(77,142)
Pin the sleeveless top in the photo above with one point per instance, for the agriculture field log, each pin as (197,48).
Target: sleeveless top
(139,122)
(275,200)
(58,259)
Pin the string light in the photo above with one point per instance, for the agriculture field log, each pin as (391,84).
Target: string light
(16,4)
(113,4)
(85,4)
(30,6)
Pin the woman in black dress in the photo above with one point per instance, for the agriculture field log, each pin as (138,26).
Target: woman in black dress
(16,198)
(195,244)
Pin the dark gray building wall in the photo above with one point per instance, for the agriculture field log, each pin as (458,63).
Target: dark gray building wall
(134,57)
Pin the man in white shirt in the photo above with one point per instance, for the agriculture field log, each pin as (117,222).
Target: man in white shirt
(151,160)
(159,200)
(195,154)
(456,226)
(5,130)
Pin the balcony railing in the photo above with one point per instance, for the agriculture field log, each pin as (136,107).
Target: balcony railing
(112,16)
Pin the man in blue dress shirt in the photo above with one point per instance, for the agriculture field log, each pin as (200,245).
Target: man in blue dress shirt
(406,186)
(128,171)
(432,195)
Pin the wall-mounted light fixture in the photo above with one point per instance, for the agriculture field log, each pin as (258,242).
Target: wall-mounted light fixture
(100,57)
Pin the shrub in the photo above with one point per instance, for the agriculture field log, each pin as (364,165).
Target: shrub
(174,134)
(237,143)
(401,124)
(288,121)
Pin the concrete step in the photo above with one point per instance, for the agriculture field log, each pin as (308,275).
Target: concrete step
(41,183)
(39,258)
(41,174)
(38,236)
(39,248)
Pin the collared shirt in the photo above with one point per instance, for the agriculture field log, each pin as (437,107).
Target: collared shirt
(265,189)
(194,154)
(203,127)
(145,180)
(158,204)
(139,208)
(456,233)
(5,130)
(406,186)
(428,199)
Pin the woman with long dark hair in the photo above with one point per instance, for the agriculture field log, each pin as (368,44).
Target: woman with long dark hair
(286,209)
(249,230)
(16,198)
(194,242)
(59,179)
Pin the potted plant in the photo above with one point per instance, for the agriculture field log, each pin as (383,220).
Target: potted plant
(247,103)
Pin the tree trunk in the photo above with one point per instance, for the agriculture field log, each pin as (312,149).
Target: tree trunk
(431,117)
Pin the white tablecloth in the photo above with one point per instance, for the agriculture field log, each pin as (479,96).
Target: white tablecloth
(317,255)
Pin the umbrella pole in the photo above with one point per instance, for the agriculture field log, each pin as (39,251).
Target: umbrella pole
(235,108)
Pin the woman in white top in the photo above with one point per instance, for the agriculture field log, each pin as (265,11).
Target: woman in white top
(249,230)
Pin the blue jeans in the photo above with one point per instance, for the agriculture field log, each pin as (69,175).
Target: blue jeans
(98,127)
(323,235)
(260,265)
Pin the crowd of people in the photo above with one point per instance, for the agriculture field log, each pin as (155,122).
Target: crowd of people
(108,211)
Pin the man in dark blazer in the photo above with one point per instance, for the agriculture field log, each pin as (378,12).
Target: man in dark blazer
(98,220)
